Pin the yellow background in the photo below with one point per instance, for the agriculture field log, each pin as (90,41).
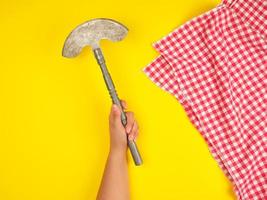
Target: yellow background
(54,111)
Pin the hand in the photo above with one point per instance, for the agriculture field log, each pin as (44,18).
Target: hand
(119,133)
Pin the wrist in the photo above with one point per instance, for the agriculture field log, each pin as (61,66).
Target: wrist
(118,153)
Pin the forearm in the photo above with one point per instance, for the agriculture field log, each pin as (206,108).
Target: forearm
(115,183)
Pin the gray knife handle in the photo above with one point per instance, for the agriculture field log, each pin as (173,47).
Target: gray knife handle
(115,99)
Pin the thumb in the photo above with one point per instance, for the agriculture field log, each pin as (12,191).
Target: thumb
(116,115)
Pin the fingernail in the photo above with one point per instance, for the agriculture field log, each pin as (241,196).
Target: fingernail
(131,137)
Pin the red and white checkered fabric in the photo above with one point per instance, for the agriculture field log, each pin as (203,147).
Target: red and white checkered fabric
(216,66)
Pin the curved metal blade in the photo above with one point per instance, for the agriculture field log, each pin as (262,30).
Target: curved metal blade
(90,33)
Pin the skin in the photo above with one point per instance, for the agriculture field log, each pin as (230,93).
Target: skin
(115,180)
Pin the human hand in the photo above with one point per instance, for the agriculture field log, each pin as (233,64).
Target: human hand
(119,133)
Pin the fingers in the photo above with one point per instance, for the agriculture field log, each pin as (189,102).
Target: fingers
(124,104)
(134,132)
(131,126)
(130,122)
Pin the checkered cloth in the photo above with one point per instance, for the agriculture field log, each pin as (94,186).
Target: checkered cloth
(216,66)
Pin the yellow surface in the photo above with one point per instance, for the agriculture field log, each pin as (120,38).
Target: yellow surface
(54,111)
